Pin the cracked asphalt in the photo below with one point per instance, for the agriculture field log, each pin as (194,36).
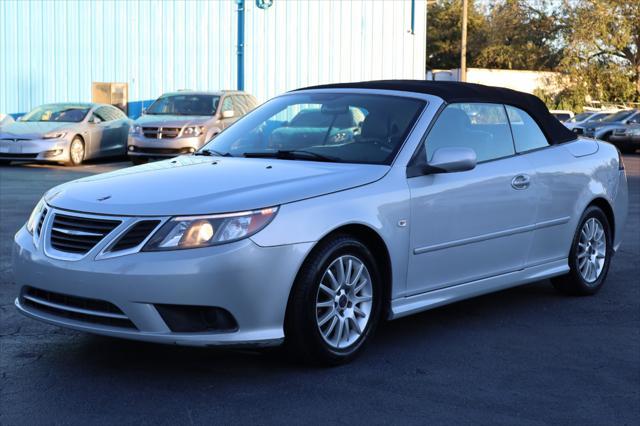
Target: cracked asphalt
(522,356)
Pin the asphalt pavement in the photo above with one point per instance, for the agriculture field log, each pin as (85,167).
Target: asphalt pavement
(522,356)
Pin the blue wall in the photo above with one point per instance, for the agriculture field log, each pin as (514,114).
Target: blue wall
(51,51)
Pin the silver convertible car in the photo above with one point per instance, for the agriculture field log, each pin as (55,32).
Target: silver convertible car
(67,133)
(381,200)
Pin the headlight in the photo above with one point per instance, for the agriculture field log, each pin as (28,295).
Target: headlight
(193,131)
(135,129)
(54,135)
(35,216)
(203,231)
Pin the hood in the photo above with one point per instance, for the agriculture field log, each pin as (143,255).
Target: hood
(202,185)
(172,120)
(33,129)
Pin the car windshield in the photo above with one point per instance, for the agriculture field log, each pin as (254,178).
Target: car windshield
(336,127)
(60,113)
(618,116)
(184,104)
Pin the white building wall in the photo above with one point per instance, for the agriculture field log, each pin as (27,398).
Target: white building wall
(52,50)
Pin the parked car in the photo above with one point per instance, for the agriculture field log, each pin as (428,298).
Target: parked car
(181,122)
(585,117)
(627,139)
(605,127)
(68,133)
(5,119)
(447,191)
(562,114)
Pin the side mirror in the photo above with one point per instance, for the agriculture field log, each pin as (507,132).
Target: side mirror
(144,111)
(228,114)
(95,120)
(453,159)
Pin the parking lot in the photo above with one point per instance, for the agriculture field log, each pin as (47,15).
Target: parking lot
(525,355)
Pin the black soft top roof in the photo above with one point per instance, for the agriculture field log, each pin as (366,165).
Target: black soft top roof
(452,92)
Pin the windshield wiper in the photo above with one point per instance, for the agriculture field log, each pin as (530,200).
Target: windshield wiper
(210,152)
(292,154)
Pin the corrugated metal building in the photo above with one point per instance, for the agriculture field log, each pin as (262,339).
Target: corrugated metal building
(52,50)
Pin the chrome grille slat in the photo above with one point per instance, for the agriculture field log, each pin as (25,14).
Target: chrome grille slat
(161,132)
(75,234)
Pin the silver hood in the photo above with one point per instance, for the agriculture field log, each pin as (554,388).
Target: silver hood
(159,120)
(33,129)
(202,185)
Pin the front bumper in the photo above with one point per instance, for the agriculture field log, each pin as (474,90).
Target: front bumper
(250,282)
(139,146)
(34,150)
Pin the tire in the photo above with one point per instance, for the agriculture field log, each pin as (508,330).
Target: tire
(139,160)
(76,152)
(583,279)
(307,337)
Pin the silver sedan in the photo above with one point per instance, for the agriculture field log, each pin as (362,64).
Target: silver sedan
(68,133)
(323,212)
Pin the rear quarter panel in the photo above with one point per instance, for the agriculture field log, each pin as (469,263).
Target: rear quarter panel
(569,177)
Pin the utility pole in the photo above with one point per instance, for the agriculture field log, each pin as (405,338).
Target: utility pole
(463,47)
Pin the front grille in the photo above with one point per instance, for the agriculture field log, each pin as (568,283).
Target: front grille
(161,132)
(135,235)
(43,215)
(75,234)
(82,309)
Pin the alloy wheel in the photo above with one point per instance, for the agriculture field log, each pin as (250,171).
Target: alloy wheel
(592,250)
(76,151)
(344,302)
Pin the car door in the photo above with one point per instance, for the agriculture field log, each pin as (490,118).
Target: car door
(558,188)
(104,132)
(121,123)
(476,224)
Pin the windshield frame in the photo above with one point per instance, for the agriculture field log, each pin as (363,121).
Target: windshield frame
(426,103)
(171,95)
(86,108)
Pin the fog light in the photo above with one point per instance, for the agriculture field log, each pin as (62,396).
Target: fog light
(192,150)
(132,148)
(53,153)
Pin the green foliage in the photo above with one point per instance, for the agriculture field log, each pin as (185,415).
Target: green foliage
(594,44)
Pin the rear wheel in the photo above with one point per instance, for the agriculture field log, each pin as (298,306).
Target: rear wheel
(589,257)
(76,152)
(335,303)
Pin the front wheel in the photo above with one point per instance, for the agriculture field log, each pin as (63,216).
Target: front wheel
(589,257)
(76,152)
(335,303)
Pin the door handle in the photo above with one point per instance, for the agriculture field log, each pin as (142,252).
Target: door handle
(521,182)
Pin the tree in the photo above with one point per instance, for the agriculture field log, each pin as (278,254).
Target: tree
(444,30)
(509,34)
(522,36)
(603,47)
